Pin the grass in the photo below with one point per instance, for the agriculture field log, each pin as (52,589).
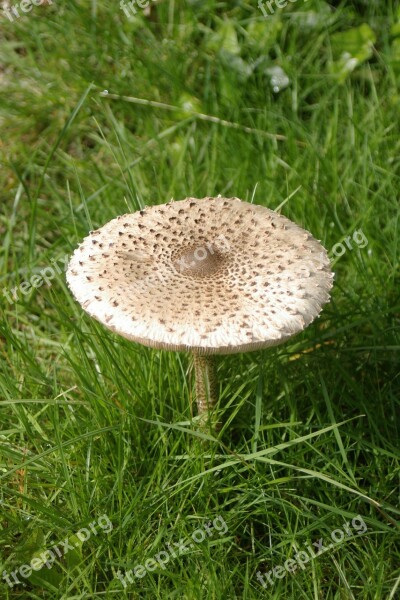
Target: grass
(93,425)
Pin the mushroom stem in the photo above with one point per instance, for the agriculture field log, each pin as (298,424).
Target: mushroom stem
(206,383)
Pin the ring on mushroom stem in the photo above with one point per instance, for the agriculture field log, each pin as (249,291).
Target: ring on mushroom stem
(209,276)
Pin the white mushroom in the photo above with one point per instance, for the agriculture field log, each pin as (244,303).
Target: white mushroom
(211,275)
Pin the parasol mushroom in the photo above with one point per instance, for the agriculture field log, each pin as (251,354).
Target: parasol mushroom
(209,276)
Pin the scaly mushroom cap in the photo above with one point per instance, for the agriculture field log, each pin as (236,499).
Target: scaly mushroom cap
(215,275)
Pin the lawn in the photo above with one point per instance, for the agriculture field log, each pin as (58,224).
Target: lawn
(108,487)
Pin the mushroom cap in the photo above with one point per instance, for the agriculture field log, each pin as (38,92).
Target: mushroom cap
(211,275)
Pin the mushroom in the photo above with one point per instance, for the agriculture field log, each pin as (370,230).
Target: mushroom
(210,276)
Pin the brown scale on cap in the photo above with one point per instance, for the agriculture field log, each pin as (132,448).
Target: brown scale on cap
(211,275)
